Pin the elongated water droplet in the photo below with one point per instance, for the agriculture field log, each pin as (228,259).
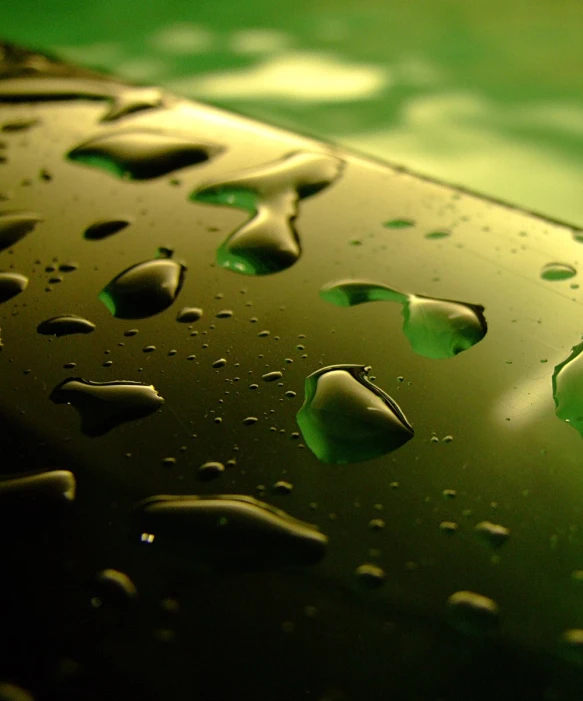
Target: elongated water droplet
(141,154)
(436,328)
(144,289)
(46,489)
(345,418)
(231,531)
(11,284)
(399,224)
(472,613)
(437,235)
(493,534)
(268,242)
(15,226)
(557,271)
(104,228)
(568,389)
(272,376)
(103,406)
(189,314)
(65,325)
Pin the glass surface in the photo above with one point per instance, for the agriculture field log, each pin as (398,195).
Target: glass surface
(446,565)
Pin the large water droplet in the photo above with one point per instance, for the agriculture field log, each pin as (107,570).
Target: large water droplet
(345,418)
(557,271)
(144,289)
(141,154)
(472,613)
(11,284)
(436,328)
(268,242)
(103,406)
(65,325)
(230,532)
(15,225)
(104,228)
(568,389)
(46,489)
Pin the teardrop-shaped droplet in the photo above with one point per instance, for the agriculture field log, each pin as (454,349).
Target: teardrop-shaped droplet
(268,242)
(15,226)
(345,418)
(103,406)
(189,314)
(230,532)
(65,325)
(11,284)
(144,289)
(141,154)
(46,489)
(104,228)
(436,328)
(568,389)
(557,271)
(472,613)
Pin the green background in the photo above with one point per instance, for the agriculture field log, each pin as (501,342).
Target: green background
(487,95)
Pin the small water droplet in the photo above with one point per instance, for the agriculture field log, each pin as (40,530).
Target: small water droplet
(557,271)
(290,394)
(46,489)
(210,471)
(448,526)
(148,349)
(437,235)
(272,376)
(104,228)
(472,613)
(15,226)
(345,418)
(68,267)
(249,421)
(399,224)
(130,332)
(224,314)
(492,534)
(19,125)
(436,328)
(65,325)
(571,645)
(115,588)
(231,531)
(140,154)
(449,493)
(376,524)
(11,284)
(189,314)
(144,289)
(282,487)
(169,462)
(220,363)
(103,406)
(447,439)
(370,576)
(268,242)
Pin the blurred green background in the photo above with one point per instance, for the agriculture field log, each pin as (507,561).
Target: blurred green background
(487,95)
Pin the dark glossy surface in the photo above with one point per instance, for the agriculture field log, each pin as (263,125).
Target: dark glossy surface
(487,445)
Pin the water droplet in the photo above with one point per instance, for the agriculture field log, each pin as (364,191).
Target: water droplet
(65,325)
(272,376)
(571,645)
(370,576)
(472,613)
(11,284)
(224,314)
(290,394)
(46,489)
(11,692)
(345,418)
(376,524)
(448,526)
(144,289)
(210,471)
(19,125)
(189,314)
(232,532)
(115,588)
(492,534)
(268,242)
(436,328)
(557,271)
(249,421)
(104,228)
(103,406)
(220,363)
(133,100)
(437,235)
(130,332)
(140,154)
(15,226)
(169,462)
(282,487)
(399,224)
(568,389)
(68,267)
(148,349)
